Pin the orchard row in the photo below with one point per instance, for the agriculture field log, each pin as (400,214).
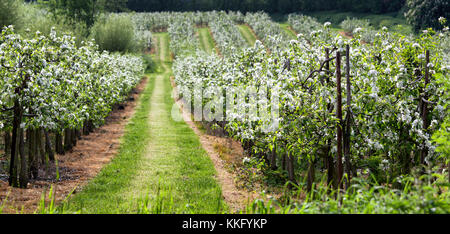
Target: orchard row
(50,85)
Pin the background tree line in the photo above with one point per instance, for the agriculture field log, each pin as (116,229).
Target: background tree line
(270,6)
(419,13)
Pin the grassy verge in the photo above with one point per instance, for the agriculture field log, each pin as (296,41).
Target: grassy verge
(248,35)
(206,41)
(408,196)
(286,27)
(191,174)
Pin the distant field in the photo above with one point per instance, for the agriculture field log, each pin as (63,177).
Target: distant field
(394,21)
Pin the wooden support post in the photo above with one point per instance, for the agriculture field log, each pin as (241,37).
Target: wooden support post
(348,129)
(425,123)
(329,158)
(339,117)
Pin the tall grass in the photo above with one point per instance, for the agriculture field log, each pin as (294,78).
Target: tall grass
(115,33)
(161,203)
(413,196)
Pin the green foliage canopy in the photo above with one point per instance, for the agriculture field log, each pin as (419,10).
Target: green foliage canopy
(422,14)
(85,11)
(9,12)
(115,33)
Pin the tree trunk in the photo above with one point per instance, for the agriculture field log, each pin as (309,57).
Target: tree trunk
(78,134)
(34,155)
(7,143)
(290,167)
(48,147)
(67,139)
(311,175)
(30,139)
(74,137)
(273,158)
(59,143)
(86,128)
(17,158)
(406,152)
(339,117)
(23,176)
(330,165)
(91,126)
(40,147)
(14,144)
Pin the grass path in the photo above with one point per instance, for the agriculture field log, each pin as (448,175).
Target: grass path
(161,166)
(249,36)
(206,41)
(286,27)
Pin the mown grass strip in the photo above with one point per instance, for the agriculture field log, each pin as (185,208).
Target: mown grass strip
(161,166)
(206,41)
(248,34)
(184,165)
(177,165)
(103,194)
(286,27)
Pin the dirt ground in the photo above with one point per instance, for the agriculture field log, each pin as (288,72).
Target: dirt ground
(76,167)
(344,34)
